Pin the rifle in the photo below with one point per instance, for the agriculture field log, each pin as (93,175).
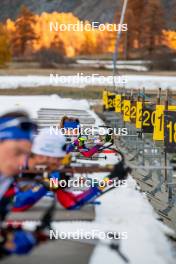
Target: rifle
(78,168)
(42,236)
(71,169)
(117,174)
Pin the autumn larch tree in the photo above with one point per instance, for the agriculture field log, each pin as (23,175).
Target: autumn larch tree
(58,45)
(24,34)
(153,24)
(133,18)
(5,50)
(89,45)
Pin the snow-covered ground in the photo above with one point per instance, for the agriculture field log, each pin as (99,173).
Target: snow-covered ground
(136,65)
(81,81)
(108,62)
(125,209)
(139,68)
(32,104)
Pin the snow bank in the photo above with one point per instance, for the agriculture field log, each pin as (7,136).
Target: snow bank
(125,210)
(151,82)
(131,81)
(109,62)
(128,67)
(135,65)
(32,104)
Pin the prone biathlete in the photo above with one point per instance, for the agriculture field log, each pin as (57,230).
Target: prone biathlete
(47,150)
(69,127)
(16,134)
(71,124)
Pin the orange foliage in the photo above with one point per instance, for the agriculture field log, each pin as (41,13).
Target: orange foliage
(75,42)
(170,39)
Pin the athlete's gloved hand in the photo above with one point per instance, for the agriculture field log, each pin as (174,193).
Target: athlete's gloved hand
(108,138)
(66,160)
(120,171)
(56,175)
(82,141)
(20,242)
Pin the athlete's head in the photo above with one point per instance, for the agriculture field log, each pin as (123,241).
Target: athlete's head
(63,120)
(70,126)
(16,134)
(48,149)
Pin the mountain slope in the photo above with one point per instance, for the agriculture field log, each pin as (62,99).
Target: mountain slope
(93,10)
